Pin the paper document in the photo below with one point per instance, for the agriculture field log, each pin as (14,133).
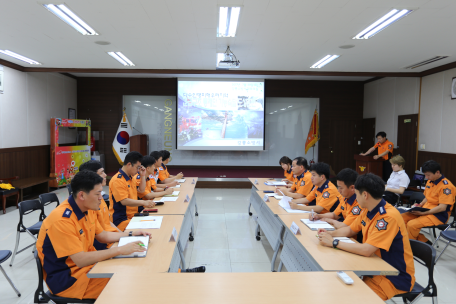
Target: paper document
(181,180)
(275,183)
(343,239)
(167,199)
(175,193)
(313,226)
(285,204)
(129,239)
(307,221)
(278,197)
(178,186)
(145,222)
(270,194)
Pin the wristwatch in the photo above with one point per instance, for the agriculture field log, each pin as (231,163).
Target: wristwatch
(130,233)
(335,243)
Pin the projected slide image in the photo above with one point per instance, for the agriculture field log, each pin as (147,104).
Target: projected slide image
(233,117)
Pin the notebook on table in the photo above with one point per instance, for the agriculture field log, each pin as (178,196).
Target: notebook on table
(130,239)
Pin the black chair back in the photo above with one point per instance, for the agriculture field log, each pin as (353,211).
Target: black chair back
(416,197)
(40,290)
(27,207)
(49,198)
(70,192)
(426,254)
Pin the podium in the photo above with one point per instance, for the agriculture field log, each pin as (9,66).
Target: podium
(367,164)
(139,143)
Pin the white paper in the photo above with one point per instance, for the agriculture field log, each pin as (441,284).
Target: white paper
(285,204)
(145,222)
(296,211)
(175,193)
(167,199)
(181,180)
(313,226)
(344,239)
(178,186)
(274,183)
(307,221)
(130,239)
(173,237)
(270,194)
(278,197)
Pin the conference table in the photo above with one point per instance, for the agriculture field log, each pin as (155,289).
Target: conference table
(240,288)
(162,255)
(303,252)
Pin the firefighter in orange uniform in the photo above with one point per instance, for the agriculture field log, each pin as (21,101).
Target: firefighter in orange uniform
(385,151)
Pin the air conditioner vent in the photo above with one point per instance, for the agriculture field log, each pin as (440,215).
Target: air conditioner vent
(427,61)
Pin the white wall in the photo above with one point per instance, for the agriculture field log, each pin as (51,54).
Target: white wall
(387,98)
(438,113)
(27,104)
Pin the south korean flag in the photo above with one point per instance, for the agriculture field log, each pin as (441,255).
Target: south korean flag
(121,143)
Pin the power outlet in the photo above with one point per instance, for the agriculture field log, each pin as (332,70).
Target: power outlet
(422,146)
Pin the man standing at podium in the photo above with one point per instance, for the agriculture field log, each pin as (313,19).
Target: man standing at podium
(385,151)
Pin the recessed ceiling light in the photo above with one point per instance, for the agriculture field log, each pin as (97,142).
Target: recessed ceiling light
(228,21)
(137,101)
(324,61)
(271,113)
(275,111)
(289,106)
(121,58)
(155,107)
(103,42)
(283,109)
(147,105)
(64,13)
(20,57)
(382,23)
(347,46)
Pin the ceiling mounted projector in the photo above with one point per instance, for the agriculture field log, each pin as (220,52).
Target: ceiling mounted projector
(228,60)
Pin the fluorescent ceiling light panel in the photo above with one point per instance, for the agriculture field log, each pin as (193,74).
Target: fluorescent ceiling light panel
(137,101)
(228,21)
(70,18)
(324,61)
(121,58)
(382,23)
(20,57)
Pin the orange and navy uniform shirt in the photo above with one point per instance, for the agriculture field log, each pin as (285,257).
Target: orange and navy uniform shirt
(121,187)
(148,189)
(386,146)
(348,209)
(163,173)
(305,184)
(326,196)
(440,191)
(104,218)
(288,175)
(67,231)
(153,179)
(384,228)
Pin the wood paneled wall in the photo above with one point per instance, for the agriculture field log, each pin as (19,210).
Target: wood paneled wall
(25,161)
(447,162)
(100,99)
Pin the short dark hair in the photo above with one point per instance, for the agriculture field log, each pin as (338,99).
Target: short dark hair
(381,133)
(91,165)
(165,154)
(148,161)
(132,158)
(372,184)
(85,181)
(285,160)
(348,176)
(431,166)
(321,169)
(301,161)
(156,155)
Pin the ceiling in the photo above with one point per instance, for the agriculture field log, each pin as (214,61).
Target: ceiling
(273,35)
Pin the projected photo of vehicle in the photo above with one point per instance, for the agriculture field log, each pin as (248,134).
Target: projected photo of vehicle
(220,115)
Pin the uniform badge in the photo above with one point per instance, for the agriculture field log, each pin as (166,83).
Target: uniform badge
(67,213)
(363,222)
(381,224)
(390,146)
(119,176)
(342,207)
(447,191)
(325,195)
(356,210)
(138,177)
(445,182)
(81,231)
(303,183)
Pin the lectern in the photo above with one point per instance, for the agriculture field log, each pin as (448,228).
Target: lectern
(367,164)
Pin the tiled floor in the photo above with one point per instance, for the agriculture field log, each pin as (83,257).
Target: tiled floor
(224,242)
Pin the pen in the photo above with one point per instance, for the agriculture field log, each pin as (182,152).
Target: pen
(142,245)
(312,215)
(147,221)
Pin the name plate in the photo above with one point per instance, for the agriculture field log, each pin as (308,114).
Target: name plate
(187,199)
(256,182)
(295,228)
(173,237)
(266,198)
(193,182)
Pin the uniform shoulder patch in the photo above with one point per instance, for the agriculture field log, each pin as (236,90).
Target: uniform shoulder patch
(138,177)
(390,146)
(356,210)
(119,176)
(342,207)
(303,183)
(81,231)
(363,222)
(161,168)
(67,213)
(325,195)
(445,182)
(447,191)
(381,224)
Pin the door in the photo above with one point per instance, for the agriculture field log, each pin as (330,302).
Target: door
(368,139)
(407,135)
(342,144)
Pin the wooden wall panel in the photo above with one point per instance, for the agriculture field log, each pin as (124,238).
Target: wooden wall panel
(100,99)
(25,161)
(447,162)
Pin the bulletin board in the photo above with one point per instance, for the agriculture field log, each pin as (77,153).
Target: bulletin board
(65,160)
